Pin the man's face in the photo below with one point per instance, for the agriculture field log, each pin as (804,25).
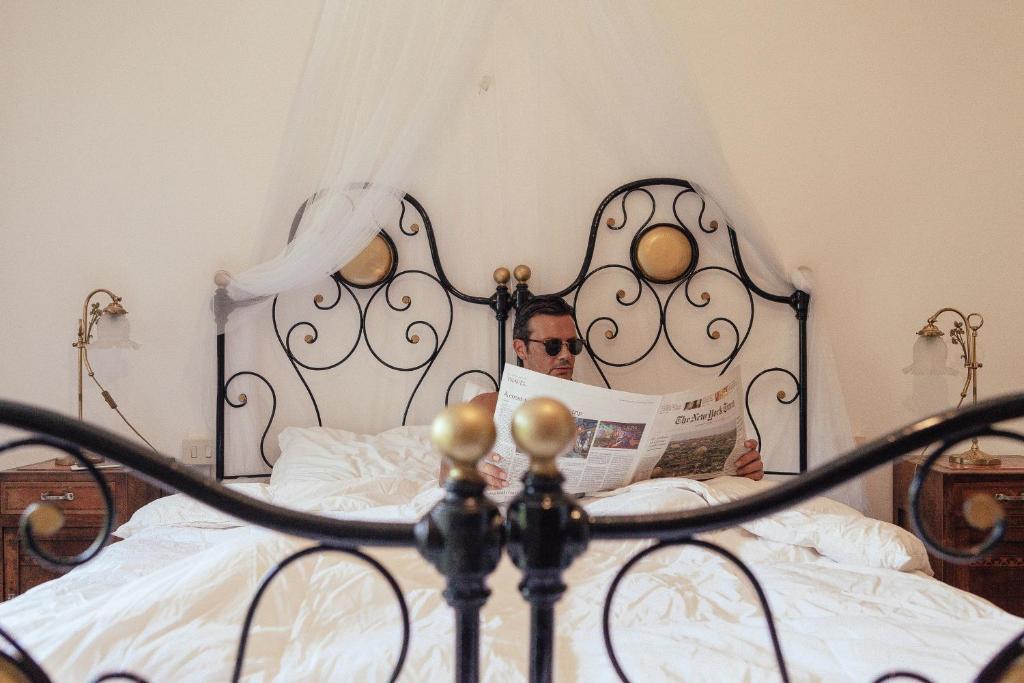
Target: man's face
(534,356)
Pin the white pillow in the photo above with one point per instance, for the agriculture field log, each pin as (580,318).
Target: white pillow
(835,530)
(333,470)
(324,454)
(645,497)
(180,510)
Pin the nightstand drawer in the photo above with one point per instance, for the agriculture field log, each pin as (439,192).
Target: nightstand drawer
(997,576)
(22,571)
(1009,496)
(70,496)
(78,496)
(65,543)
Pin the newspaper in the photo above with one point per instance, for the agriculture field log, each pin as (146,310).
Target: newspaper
(623,437)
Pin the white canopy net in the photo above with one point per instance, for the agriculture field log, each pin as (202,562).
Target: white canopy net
(510,121)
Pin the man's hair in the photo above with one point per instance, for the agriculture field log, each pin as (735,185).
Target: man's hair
(538,305)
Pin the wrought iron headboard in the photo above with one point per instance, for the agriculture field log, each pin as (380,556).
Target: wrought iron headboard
(508,297)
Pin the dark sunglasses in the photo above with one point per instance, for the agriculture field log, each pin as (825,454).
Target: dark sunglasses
(553,347)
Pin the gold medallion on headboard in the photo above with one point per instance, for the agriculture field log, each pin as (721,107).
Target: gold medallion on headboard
(373,265)
(664,253)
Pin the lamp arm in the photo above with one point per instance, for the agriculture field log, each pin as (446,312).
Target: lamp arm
(935,316)
(958,338)
(110,399)
(969,348)
(85,328)
(967,385)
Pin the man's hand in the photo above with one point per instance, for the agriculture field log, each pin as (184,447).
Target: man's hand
(749,464)
(494,476)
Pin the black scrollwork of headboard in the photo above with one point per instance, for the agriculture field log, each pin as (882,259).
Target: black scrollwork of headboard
(658,225)
(658,222)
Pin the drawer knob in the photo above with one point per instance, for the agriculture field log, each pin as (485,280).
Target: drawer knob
(45,519)
(982,511)
(1003,498)
(67,495)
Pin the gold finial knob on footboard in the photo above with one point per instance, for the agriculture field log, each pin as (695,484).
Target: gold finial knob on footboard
(463,433)
(543,428)
(46,519)
(982,511)
(10,673)
(501,275)
(522,273)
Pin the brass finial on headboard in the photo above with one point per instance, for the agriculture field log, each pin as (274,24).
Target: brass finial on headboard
(501,275)
(522,273)
(222,278)
(463,433)
(543,427)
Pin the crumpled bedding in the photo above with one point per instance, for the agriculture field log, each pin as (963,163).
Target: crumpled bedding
(852,597)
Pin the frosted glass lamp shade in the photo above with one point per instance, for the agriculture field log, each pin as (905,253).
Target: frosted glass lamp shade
(931,383)
(112,332)
(930,358)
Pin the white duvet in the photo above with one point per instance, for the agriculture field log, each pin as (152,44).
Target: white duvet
(852,596)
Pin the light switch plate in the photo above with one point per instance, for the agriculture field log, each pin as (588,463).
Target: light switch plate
(197,451)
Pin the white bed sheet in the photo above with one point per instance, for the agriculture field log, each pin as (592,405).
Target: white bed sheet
(851,596)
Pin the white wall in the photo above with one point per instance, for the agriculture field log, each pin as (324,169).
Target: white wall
(880,142)
(138,141)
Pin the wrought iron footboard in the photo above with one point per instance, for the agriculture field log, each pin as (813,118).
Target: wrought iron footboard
(543,531)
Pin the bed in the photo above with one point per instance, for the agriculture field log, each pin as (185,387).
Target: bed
(350,563)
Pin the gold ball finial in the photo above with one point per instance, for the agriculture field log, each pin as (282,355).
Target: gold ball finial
(463,433)
(983,512)
(222,278)
(543,428)
(10,673)
(522,273)
(46,519)
(501,275)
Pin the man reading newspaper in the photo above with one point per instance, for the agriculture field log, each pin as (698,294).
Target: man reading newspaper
(688,438)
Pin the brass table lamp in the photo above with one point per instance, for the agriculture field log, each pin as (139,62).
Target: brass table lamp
(90,316)
(964,333)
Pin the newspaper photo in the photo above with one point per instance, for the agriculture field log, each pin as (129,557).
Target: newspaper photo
(623,437)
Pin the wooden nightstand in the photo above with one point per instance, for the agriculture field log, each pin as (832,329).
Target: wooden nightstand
(999,577)
(79,498)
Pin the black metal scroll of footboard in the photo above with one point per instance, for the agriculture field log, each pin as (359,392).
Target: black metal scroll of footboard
(544,530)
(648,207)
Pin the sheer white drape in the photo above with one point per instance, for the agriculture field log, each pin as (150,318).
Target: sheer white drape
(379,79)
(510,119)
(379,82)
